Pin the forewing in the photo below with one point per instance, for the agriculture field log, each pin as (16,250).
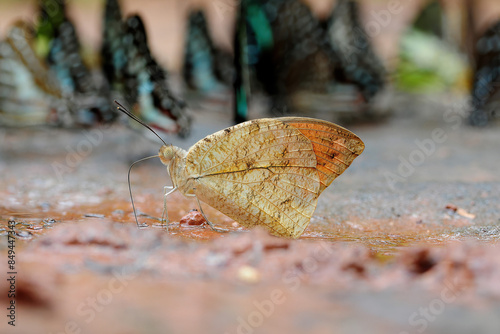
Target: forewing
(259,173)
(335,147)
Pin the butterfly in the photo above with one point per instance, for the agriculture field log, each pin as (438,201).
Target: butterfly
(65,92)
(55,32)
(113,52)
(146,84)
(485,89)
(29,92)
(274,41)
(88,101)
(132,71)
(50,16)
(357,62)
(266,172)
(286,49)
(207,68)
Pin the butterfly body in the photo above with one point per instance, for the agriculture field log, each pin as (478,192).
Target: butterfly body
(267,172)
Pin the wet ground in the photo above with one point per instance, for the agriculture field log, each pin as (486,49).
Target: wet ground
(405,241)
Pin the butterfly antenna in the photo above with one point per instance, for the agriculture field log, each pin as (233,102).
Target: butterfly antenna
(135,118)
(130,187)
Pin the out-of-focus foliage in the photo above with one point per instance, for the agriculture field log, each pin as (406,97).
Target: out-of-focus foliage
(428,64)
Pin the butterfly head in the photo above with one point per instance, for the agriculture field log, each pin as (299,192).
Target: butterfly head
(166,154)
(169,153)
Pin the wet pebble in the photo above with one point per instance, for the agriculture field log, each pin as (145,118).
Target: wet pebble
(48,223)
(192,218)
(452,207)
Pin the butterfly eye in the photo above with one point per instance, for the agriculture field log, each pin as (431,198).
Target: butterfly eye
(166,154)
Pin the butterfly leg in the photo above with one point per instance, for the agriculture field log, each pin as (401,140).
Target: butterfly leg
(212,226)
(164,215)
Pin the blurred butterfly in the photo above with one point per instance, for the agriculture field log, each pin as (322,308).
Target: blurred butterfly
(206,66)
(88,101)
(51,14)
(29,92)
(275,43)
(113,52)
(485,90)
(290,50)
(266,172)
(130,67)
(357,62)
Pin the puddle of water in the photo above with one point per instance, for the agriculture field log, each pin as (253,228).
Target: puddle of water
(384,237)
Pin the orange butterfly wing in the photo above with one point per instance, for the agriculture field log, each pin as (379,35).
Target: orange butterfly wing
(335,147)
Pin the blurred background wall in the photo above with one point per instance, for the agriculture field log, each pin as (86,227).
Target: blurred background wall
(165,21)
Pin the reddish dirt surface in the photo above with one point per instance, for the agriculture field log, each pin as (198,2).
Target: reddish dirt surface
(419,258)
(104,276)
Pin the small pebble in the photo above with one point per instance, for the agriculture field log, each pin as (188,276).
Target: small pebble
(465,214)
(48,223)
(235,225)
(192,218)
(248,274)
(452,207)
